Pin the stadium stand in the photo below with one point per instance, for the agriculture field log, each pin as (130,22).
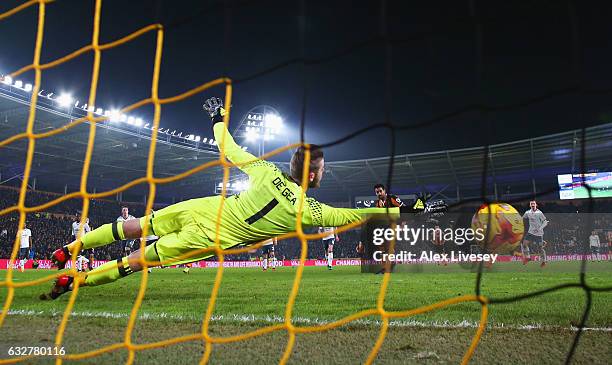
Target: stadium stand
(517,169)
(51,228)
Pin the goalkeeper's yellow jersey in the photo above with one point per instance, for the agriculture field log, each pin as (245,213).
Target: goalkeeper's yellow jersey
(270,205)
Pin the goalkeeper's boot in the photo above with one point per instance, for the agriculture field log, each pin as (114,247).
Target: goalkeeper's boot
(61,286)
(60,257)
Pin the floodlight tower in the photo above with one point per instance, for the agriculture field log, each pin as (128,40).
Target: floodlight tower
(259,125)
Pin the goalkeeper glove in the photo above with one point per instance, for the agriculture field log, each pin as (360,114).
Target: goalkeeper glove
(214,107)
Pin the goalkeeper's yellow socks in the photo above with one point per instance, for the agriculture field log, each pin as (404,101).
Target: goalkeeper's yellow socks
(108,272)
(103,235)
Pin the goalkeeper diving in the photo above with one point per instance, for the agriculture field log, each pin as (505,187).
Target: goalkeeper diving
(186,229)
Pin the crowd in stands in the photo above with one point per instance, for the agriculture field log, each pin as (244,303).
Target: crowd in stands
(51,228)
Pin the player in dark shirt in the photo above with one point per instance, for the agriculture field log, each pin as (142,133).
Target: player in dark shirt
(386,200)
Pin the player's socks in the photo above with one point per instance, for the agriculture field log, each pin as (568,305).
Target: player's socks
(103,235)
(330,259)
(265,264)
(544,257)
(527,255)
(109,272)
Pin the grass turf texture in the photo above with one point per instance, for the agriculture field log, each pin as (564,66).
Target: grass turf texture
(537,330)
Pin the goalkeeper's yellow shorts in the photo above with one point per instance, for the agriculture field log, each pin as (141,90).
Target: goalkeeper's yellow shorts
(181,232)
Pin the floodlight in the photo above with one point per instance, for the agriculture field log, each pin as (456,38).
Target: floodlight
(28,87)
(197,138)
(99,111)
(7,80)
(252,135)
(273,121)
(138,122)
(18,83)
(64,100)
(130,120)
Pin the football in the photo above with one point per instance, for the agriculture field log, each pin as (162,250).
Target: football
(503,227)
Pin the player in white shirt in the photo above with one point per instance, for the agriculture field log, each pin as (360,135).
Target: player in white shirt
(126,216)
(75,228)
(537,222)
(25,243)
(268,254)
(328,244)
(595,245)
(82,263)
(75,231)
(128,245)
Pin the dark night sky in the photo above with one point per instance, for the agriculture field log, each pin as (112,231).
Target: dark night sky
(527,51)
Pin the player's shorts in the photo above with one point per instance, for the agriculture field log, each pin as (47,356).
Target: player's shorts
(181,234)
(597,250)
(267,249)
(23,252)
(533,238)
(327,243)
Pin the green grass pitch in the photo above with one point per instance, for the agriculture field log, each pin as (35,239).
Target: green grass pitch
(537,330)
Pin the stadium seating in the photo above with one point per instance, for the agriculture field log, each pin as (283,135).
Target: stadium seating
(51,228)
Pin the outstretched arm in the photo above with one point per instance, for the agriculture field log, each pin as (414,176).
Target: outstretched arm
(326,216)
(232,151)
(336,217)
(225,141)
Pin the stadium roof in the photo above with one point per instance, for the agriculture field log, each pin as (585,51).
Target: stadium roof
(120,155)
